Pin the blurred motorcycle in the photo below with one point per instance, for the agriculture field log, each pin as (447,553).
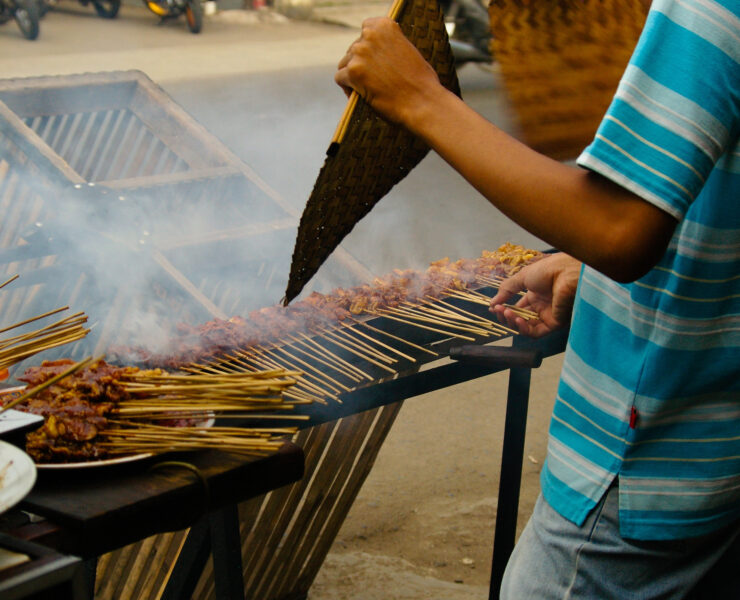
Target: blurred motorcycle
(108,9)
(469,30)
(25,13)
(171,9)
(164,9)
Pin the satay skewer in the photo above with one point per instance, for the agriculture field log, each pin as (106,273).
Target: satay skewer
(356,331)
(343,334)
(485,300)
(324,382)
(51,381)
(383,313)
(492,280)
(397,338)
(442,305)
(332,340)
(283,350)
(323,359)
(489,326)
(525,313)
(301,383)
(413,314)
(332,357)
(318,390)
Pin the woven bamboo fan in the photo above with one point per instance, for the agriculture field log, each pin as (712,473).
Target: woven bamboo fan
(561,62)
(368,155)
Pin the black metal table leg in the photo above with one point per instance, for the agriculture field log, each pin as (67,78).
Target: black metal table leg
(517,404)
(218,534)
(86,578)
(227,553)
(189,566)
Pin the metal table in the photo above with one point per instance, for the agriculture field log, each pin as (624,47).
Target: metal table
(90,513)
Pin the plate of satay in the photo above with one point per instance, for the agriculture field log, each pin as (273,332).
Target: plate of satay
(96,414)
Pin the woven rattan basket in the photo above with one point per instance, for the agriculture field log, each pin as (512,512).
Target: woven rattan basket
(374,155)
(561,61)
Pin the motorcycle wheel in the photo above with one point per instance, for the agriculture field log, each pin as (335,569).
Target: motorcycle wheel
(108,9)
(42,7)
(26,15)
(194,15)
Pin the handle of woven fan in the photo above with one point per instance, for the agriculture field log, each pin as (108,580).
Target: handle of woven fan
(496,356)
(341,129)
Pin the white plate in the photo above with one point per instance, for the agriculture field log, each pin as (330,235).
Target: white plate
(17,475)
(91,464)
(14,420)
(106,462)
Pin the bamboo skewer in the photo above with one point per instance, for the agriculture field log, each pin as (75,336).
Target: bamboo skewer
(344,335)
(19,347)
(350,370)
(438,321)
(297,390)
(476,300)
(312,368)
(525,313)
(378,342)
(63,325)
(482,299)
(32,319)
(492,280)
(324,361)
(125,437)
(320,387)
(300,383)
(333,356)
(387,315)
(397,338)
(328,336)
(11,280)
(470,295)
(310,353)
(490,327)
(501,329)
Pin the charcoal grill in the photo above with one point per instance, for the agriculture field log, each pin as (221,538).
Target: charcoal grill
(115,139)
(116,146)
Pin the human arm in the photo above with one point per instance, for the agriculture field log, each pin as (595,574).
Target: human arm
(584,214)
(550,286)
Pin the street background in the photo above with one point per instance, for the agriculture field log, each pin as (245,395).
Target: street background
(422,526)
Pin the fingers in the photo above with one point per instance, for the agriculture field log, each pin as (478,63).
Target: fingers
(341,79)
(511,286)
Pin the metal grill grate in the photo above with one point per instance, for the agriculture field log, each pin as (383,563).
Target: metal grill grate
(106,145)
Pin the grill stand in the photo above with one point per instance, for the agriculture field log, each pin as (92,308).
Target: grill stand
(525,354)
(470,363)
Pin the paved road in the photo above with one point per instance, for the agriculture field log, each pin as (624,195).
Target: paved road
(263,85)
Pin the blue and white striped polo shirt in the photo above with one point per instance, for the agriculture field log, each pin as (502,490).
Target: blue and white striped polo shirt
(650,389)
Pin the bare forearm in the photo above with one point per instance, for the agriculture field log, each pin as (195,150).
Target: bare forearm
(578,212)
(581,213)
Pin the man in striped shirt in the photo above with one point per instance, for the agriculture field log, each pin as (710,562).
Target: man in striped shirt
(641,487)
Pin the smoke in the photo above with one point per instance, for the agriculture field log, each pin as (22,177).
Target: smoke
(141,259)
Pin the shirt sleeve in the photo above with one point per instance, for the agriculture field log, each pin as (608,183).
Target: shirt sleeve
(675,111)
